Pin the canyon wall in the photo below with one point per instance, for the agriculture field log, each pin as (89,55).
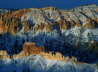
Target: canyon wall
(11,21)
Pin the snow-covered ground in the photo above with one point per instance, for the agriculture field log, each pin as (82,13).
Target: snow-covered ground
(36,63)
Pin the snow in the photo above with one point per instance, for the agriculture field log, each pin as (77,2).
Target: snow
(85,7)
(38,63)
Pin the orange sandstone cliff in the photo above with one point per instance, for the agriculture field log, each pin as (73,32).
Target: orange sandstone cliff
(30,48)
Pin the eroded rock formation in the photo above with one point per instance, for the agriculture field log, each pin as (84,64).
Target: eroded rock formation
(49,8)
(11,21)
(90,24)
(50,20)
(30,48)
(63,24)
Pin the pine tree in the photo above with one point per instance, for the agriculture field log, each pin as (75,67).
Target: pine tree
(28,69)
(14,71)
(15,47)
(23,70)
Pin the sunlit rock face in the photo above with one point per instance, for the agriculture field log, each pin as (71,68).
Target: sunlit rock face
(71,33)
(49,38)
(42,19)
(11,22)
(30,48)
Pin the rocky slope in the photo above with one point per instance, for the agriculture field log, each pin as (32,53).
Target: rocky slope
(85,7)
(65,33)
